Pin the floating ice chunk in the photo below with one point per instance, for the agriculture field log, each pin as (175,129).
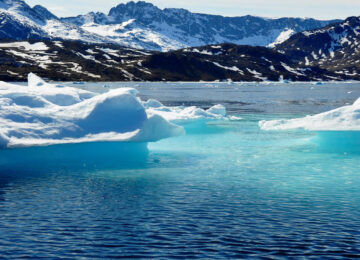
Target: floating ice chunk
(115,111)
(235,118)
(317,83)
(46,114)
(35,81)
(152,103)
(42,93)
(357,104)
(177,113)
(345,118)
(217,110)
(156,128)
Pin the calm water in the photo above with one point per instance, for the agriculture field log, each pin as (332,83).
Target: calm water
(224,190)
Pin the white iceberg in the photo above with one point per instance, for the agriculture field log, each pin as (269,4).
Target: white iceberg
(41,114)
(47,114)
(345,118)
(182,113)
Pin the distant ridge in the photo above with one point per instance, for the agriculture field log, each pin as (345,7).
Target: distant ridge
(335,47)
(145,26)
(124,46)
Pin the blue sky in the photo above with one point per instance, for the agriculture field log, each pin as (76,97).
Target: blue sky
(321,9)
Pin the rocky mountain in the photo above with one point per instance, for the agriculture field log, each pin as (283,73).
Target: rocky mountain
(20,9)
(44,13)
(70,61)
(335,47)
(18,21)
(78,61)
(12,28)
(145,26)
(95,47)
(229,62)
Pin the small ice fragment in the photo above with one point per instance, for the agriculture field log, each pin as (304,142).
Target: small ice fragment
(217,110)
(152,103)
(35,81)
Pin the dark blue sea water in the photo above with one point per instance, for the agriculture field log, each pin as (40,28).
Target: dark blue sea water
(224,190)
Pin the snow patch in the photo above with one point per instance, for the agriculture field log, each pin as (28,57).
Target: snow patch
(288,68)
(39,46)
(233,68)
(285,35)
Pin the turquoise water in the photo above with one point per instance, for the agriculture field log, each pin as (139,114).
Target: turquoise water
(224,190)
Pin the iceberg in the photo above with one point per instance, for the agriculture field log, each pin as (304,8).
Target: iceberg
(182,113)
(43,114)
(195,120)
(345,118)
(337,130)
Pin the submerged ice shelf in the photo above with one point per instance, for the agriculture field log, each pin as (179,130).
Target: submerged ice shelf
(48,114)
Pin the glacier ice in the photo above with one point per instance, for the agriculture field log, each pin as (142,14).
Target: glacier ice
(41,114)
(345,118)
(181,113)
(217,110)
(46,114)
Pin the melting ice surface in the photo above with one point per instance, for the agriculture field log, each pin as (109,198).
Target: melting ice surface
(48,114)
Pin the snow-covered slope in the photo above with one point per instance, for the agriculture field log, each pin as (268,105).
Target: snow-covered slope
(147,26)
(79,61)
(20,9)
(284,36)
(193,29)
(18,21)
(70,60)
(335,47)
(143,25)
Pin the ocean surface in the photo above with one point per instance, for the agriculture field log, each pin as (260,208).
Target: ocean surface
(226,189)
